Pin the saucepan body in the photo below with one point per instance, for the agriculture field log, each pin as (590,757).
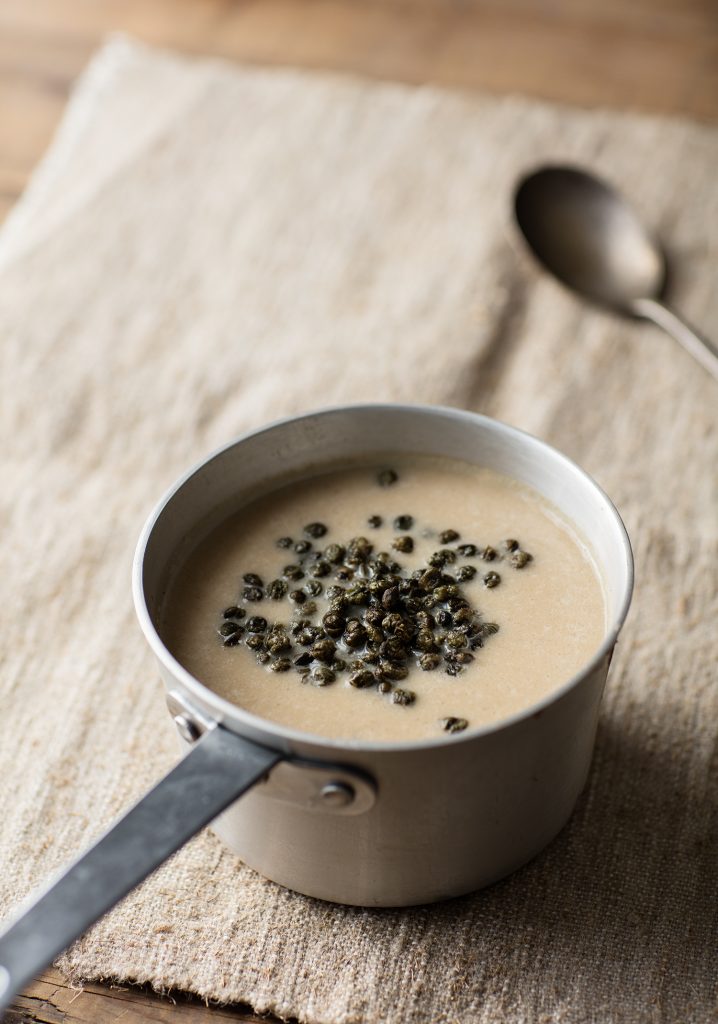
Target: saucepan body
(381,824)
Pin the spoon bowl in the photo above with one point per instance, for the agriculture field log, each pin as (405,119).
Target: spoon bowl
(588,237)
(586,234)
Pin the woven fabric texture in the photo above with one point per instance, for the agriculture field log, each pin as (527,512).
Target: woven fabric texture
(207,247)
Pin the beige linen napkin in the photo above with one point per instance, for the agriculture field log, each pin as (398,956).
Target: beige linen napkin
(208,247)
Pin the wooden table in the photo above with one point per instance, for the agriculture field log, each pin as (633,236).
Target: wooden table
(651,55)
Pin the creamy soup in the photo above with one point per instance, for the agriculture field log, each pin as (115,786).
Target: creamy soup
(388,602)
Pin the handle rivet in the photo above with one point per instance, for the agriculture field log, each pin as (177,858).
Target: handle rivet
(337,794)
(187,728)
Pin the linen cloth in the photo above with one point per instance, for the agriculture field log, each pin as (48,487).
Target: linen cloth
(207,247)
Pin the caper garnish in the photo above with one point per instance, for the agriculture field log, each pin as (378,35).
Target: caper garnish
(403,544)
(359,549)
(393,671)
(358,594)
(428,662)
(448,536)
(389,623)
(228,628)
(393,649)
(292,572)
(361,679)
(323,650)
(425,640)
(321,568)
(403,697)
(519,559)
(308,635)
(387,477)
(375,634)
(276,590)
(452,724)
(315,530)
(233,612)
(339,604)
(355,634)
(403,522)
(430,577)
(463,616)
(277,642)
(392,625)
(334,553)
(378,585)
(455,639)
(280,665)
(321,676)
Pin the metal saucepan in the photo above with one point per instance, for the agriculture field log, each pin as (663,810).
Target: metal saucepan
(371,824)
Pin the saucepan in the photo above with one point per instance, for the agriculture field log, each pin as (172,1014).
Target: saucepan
(369,824)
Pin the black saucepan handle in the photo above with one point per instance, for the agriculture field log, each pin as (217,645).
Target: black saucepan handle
(218,769)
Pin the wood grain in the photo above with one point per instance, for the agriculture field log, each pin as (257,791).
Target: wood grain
(651,55)
(50,1000)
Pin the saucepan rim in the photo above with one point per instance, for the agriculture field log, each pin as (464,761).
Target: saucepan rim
(225,709)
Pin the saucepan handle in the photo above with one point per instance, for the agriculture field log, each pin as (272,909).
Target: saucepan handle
(218,769)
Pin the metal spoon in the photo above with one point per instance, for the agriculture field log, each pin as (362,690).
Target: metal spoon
(588,236)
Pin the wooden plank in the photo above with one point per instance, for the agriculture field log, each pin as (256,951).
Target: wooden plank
(50,1000)
(653,55)
(592,61)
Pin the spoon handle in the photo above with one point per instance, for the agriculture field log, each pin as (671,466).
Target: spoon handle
(700,348)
